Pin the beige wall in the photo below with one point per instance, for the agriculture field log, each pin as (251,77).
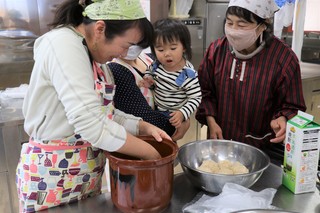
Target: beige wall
(158,9)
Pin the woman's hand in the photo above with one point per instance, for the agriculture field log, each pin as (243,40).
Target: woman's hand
(181,130)
(138,148)
(279,127)
(176,118)
(146,128)
(215,131)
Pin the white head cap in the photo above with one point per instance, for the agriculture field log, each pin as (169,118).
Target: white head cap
(262,8)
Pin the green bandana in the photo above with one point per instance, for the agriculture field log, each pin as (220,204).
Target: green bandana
(114,10)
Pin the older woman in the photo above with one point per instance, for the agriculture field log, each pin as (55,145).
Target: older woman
(250,80)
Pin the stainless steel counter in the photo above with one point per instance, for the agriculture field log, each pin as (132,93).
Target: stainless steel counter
(184,192)
(10,116)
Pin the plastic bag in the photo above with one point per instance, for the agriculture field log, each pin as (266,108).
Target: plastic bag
(285,14)
(232,198)
(283,18)
(13,97)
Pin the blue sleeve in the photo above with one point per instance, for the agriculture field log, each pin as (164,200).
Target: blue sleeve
(129,99)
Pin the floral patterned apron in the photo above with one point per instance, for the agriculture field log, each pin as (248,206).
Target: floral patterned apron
(55,172)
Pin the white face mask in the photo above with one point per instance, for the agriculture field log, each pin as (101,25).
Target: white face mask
(241,39)
(133,52)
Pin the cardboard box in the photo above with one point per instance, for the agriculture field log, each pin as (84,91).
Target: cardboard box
(301,154)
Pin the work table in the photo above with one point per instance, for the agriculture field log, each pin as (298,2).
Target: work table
(309,70)
(184,192)
(11,122)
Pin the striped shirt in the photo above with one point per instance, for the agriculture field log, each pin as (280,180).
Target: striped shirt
(168,96)
(244,95)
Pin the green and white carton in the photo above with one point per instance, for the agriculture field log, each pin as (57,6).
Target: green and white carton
(301,154)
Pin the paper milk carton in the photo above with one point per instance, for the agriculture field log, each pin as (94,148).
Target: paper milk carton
(301,154)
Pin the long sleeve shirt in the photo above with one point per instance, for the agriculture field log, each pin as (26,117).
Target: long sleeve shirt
(169,96)
(61,99)
(244,95)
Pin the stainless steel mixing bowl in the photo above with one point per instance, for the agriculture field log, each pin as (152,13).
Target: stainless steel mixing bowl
(191,156)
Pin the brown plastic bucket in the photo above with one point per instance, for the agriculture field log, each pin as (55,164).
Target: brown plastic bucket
(143,185)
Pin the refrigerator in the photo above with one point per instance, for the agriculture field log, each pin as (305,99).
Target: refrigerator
(197,29)
(216,12)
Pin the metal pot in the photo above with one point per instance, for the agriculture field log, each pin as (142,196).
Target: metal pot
(143,186)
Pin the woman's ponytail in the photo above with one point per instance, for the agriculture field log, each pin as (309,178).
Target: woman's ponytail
(69,13)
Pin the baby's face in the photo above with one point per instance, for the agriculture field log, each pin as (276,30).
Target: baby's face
(170,54)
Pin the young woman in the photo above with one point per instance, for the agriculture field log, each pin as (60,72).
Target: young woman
(250,80)
(68,107)
(177,91)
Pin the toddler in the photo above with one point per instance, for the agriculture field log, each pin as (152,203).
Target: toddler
(176,87)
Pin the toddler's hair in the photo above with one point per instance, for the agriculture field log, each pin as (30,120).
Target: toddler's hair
(168,30)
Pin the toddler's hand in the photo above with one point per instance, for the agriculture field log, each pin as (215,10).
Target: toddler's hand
(176,118)
(146,82)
